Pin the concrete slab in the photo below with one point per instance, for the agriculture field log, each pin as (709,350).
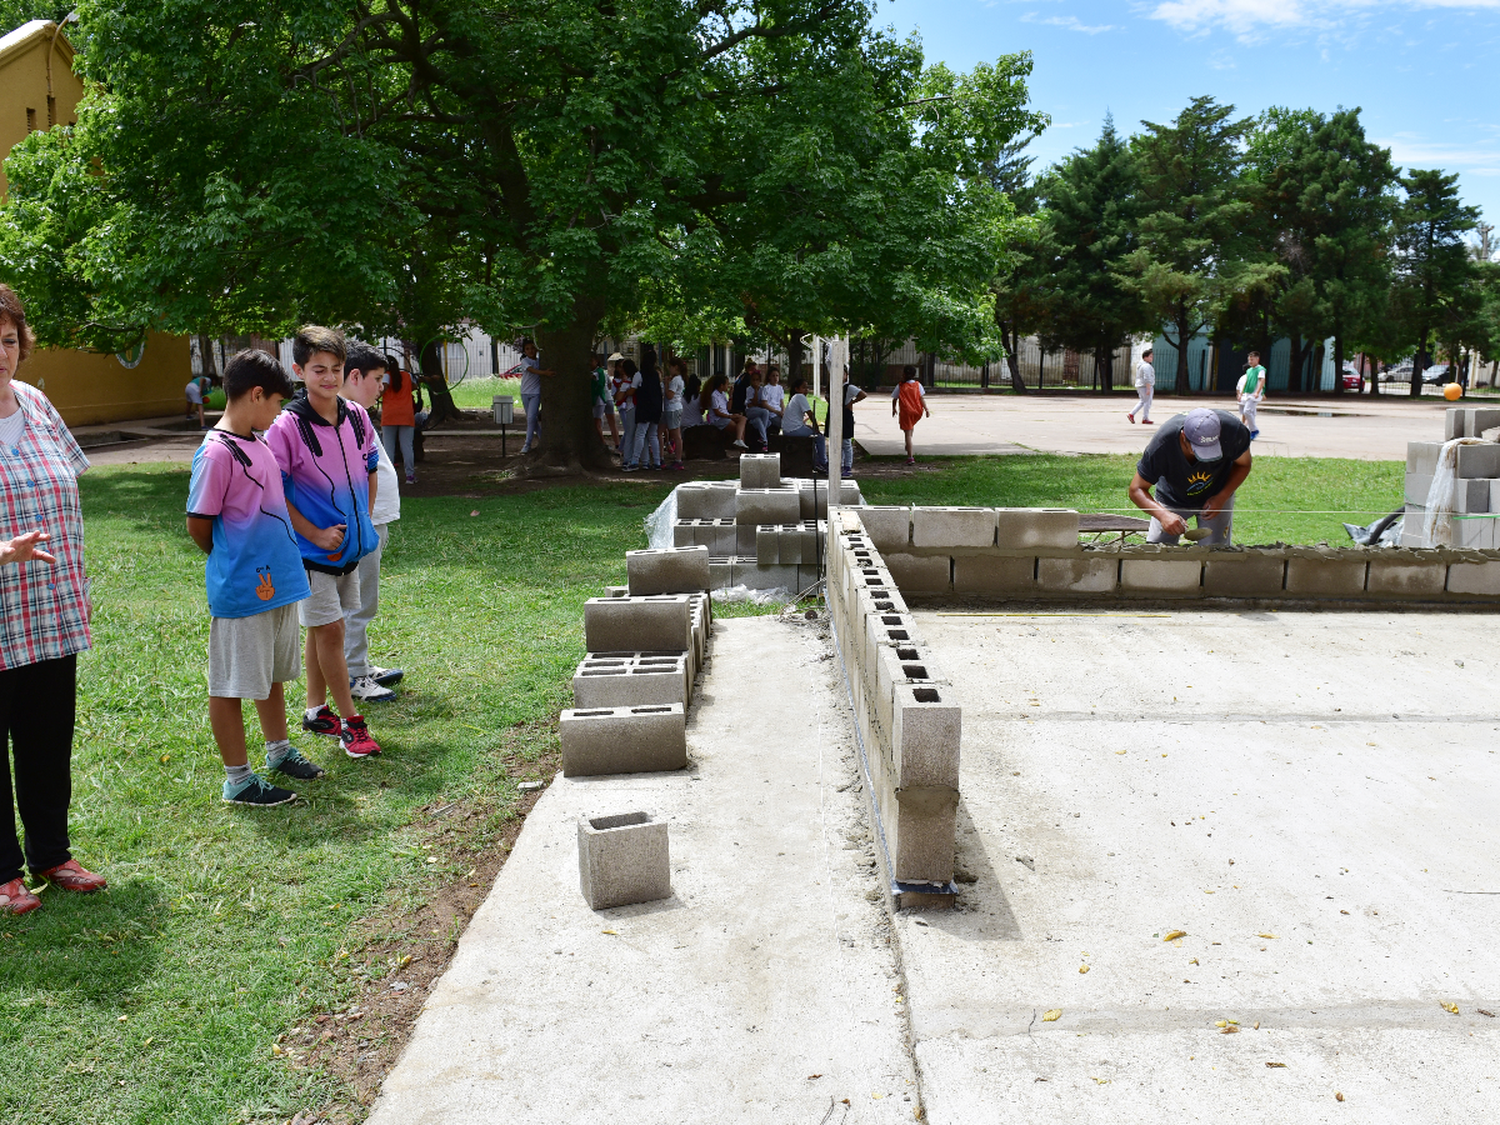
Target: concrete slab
(1326,778)
(763,990)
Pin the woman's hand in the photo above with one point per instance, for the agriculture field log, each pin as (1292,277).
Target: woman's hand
(24,548)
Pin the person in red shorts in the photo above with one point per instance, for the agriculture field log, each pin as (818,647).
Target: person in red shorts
(909,400)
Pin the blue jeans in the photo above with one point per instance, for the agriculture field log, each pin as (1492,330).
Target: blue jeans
(643,439)
(756,420)
(533,406)
(391,436)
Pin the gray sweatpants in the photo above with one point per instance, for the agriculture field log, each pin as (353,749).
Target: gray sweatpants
(357,621)
(1221,526)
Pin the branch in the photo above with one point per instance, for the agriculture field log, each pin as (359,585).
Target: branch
(760,31)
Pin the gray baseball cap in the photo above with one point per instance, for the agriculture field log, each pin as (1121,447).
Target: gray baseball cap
(1201,428)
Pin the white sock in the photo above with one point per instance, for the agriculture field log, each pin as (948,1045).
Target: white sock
(275,751)
(311,712)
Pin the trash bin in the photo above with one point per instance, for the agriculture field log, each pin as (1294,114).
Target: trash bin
(505,407)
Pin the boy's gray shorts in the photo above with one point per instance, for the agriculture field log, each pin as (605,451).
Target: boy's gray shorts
(671,419)
(333,596)
(246,655)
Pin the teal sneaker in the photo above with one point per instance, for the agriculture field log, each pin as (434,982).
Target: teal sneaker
(294,764)
(256,790)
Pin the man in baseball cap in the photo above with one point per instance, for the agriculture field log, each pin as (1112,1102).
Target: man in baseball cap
(1195,462)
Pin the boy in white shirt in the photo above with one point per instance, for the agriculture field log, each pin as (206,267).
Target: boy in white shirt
(1145,387)
(1251,389)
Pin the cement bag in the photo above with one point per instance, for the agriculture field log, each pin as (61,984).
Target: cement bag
(1437,522)
(659,523)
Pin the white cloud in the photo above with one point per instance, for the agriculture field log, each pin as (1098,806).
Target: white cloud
(1071,23)
(1250,18)
(1410,150)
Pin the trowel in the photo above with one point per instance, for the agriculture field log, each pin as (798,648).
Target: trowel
(1192,535)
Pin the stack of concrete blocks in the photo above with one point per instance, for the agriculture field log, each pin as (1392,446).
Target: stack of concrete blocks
(1476,490)
(909,721)
(645,650)
(935,551)
(623,859)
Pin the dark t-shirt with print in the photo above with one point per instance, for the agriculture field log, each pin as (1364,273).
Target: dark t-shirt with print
(1187,485)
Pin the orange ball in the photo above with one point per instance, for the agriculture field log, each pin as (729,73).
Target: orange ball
(1452,392)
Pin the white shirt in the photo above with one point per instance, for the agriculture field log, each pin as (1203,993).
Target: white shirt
(387,507)
(796,413)
(13,427)
(718,407)
(896,393)
(674,393)
(771,396)
(692,413)
(531,381)
(1145,375)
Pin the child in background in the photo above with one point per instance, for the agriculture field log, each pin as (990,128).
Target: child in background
(852,394)
(773,398)
(365,374)
(236,512)
(326,449)
(398,417)
(911,400)
(671,417)
(604,401)
(197,390)
(1251,389)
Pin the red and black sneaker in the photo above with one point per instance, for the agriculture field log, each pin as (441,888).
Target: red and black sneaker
(356,738)
(324,722)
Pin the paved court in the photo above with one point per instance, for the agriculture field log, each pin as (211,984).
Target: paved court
(1363,428)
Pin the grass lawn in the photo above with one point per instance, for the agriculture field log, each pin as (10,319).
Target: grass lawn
(193,989)
(224,928)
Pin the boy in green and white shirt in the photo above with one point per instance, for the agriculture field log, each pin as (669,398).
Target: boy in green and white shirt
(1251,389)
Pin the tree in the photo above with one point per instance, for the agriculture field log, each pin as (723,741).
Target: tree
(1090,229)
(1434,269)
(408,167)
(1194,256)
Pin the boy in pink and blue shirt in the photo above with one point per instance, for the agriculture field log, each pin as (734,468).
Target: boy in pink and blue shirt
(327,450)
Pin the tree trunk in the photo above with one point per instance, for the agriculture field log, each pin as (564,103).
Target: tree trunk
(1419,364)
(1012,342)
(1294,359)
(1315,375)
(1184,378)
(431,361)
(1338,362)
(569,442)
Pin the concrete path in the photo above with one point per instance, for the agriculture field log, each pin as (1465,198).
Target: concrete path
(966,425)
(764,990)
(1309,796)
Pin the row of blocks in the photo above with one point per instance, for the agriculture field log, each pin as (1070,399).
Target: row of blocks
(1236,575)
(795,544)
(728,537)
(1469,421)
(792,500)
(1468,532)
(1473,461)
(1470,494)
(908,719)
(1017,529)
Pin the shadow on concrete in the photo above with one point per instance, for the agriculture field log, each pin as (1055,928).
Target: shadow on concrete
(979,888)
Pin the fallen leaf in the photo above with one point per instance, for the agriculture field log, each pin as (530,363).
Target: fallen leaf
(1338,1097)
(1083,968)
(1105,1081)
(1052,1015)
(1174,935)
(1450,1006)
(1270,937)
(1343,912)
(1257,1025)
(1119,751)
(1276,1066)
(810,1077)
(1230,1030)
(616,934)
(1485,1012)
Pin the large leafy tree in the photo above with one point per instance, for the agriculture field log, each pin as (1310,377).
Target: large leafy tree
(406,166)
(1434,268)
(1196,254)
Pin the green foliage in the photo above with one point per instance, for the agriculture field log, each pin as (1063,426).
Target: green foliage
(1437,295)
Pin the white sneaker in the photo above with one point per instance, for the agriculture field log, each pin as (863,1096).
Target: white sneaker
(365,689)
(739,444)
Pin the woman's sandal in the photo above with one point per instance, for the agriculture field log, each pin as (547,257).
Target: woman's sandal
(16,899)
(70,877)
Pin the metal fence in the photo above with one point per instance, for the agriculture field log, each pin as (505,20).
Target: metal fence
(1039,369)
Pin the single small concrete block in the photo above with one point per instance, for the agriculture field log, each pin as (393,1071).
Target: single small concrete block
(1422,458)
(1093,574)
(768,545)
(719,536)
(756,506)
(1407,579)
(789,544)
(926,725)
(1161,576)
(1244,576)
(924,823)
(901,664)
(706,500)
(685,533)
(1477,419)
(887,630)
(1453,423)
(1417,488)
(760,470)
(878,601)
(605,740)
(661,623)
(917,574)
(1479,460)
(617,591)
(635,684)
(676,570)
(991,574)
(952,527)
(720,571)
(1477,534)
(1475,579)
(814,535)
(623,860)
(1411,530)
(754,577)
(1023,529)
(1325,578)
(1472,495)
(889,528)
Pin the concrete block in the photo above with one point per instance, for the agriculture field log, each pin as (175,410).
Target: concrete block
(617,591)
(991,574)
(719,536)
(677,570)
(1411,531)
(1404,579)
(660,623)
(1472,494)
(720,572)
(901,664)
(916,574)
(1453,423)
(756,506)
(1479,460)
(760,470)
(1475,579)
(615,684)
(679,660)
(1477,534)
(684,533)
(1325,578)
(886,630)
(1092,574)
(1417,488)
(876,600)
(1422,457)
(923,835)
(814,534)
(952,527)
(1161,576)
(926,724)
(889,528)
(755,577)
(1244,576)
(1495,495)
(1477,419)
(813,496)
(768,545)
(623,859)
(604,740)
(1022,529)
(706,500)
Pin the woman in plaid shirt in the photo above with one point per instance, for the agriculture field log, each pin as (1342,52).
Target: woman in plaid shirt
(44,623)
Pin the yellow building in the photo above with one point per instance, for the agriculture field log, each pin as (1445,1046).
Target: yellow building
(38,90)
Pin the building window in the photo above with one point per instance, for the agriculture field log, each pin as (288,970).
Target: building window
(30,120)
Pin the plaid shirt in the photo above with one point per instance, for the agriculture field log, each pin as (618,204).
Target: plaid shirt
(44,609)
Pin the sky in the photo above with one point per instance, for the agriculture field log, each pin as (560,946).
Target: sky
(1425,73)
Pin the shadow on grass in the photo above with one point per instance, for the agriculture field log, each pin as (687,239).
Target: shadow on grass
(96,948)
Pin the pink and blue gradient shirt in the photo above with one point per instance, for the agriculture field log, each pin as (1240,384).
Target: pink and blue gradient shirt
(325,472)
(255,564)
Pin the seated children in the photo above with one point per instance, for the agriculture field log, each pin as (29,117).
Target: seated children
(716,411)
(326,449)
(798,420)
(237,513)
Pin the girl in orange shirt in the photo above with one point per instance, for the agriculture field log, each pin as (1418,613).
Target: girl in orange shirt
(911,402)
